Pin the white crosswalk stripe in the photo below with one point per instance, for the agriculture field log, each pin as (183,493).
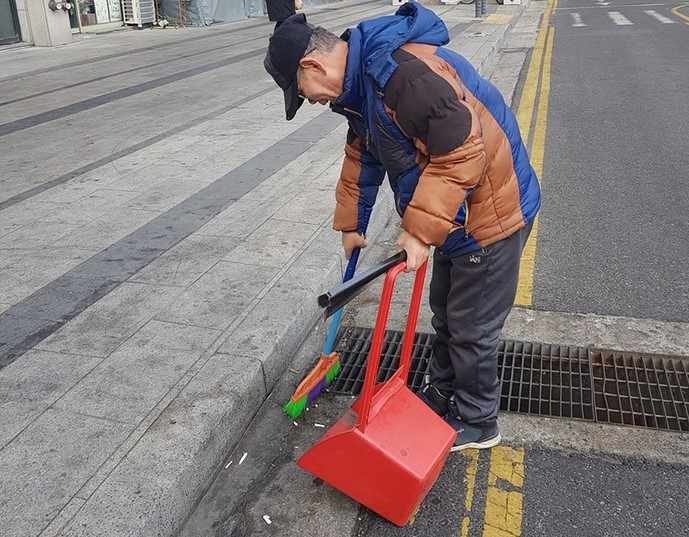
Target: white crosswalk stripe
(619,19)
(659,17)
(577,20)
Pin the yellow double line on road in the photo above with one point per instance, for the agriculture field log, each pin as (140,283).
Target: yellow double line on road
(502,516)
(537,85)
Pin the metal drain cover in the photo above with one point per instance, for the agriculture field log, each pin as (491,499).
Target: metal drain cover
(646,390)
(548,380)
(544,379)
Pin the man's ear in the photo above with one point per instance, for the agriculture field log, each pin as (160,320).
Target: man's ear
(311,62)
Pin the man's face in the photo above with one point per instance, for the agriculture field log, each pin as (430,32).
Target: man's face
(314,87)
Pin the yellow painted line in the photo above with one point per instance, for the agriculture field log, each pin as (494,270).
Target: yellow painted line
(470,476)
(675,11)
(526,103)
(528,98)
(504,500)
(528,261)
(494,18)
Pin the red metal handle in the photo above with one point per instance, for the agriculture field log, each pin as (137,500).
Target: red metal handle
(379,334)
(412,319)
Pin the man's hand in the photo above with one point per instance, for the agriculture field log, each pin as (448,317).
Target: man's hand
(417,251)
(351,240)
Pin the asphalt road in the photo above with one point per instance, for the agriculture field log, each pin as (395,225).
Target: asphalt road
(613,230)
(561,495)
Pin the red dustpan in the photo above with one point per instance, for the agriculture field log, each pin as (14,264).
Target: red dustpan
(389,447)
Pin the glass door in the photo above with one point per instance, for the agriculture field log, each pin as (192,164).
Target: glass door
(9,25)
(98,11)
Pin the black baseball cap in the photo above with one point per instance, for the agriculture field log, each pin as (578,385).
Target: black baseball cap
(285,48)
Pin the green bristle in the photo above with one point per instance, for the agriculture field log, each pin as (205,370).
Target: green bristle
(294,409)
(332,373)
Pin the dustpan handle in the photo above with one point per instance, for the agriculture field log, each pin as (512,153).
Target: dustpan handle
(379,334)
(412,319)
(337,297)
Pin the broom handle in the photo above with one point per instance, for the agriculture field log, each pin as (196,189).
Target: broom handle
(379,335)
(335,323)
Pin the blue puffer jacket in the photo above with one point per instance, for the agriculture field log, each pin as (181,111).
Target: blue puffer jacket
(450,145)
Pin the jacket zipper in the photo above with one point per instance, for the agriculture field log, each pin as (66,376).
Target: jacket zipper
(466,219)
(367,141)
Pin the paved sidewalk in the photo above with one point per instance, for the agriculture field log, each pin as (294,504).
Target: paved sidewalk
(163,236)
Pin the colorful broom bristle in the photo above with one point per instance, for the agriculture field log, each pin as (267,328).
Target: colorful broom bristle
(294,409)
(327,368)
(332,372)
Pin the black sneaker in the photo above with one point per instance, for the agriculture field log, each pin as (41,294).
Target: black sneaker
(481,436)
(435,399)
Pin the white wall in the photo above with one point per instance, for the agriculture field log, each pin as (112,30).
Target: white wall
(23,17)
(42,26)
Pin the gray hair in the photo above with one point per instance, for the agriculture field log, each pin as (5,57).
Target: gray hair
(321,41)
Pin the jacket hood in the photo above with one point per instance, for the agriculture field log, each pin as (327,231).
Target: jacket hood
(372,43)
(412,23)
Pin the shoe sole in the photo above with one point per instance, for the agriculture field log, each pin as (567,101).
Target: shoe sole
(486,444)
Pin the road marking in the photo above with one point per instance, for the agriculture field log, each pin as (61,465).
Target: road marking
(494,18)
(598,7)
(676,13)
(577,20)
(470,476)
(619,19)
(528,98)
(659,17)
(528,261)
(504,500)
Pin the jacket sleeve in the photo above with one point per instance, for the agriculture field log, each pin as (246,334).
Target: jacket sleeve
(357,188)
(429,109)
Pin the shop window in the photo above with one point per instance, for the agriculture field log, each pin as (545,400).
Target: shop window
(9,24)
(99,11)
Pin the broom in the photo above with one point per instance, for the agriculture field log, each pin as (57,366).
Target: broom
(328,366)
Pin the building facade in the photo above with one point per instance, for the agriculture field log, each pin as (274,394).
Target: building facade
(51,23)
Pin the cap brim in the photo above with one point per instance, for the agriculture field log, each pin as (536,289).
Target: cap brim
(292,99)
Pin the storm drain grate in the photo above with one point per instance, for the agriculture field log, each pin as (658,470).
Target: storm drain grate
(644,390)
(544,379)
(548,380)
(354,346)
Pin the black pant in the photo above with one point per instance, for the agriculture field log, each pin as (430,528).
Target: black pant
(471,296)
